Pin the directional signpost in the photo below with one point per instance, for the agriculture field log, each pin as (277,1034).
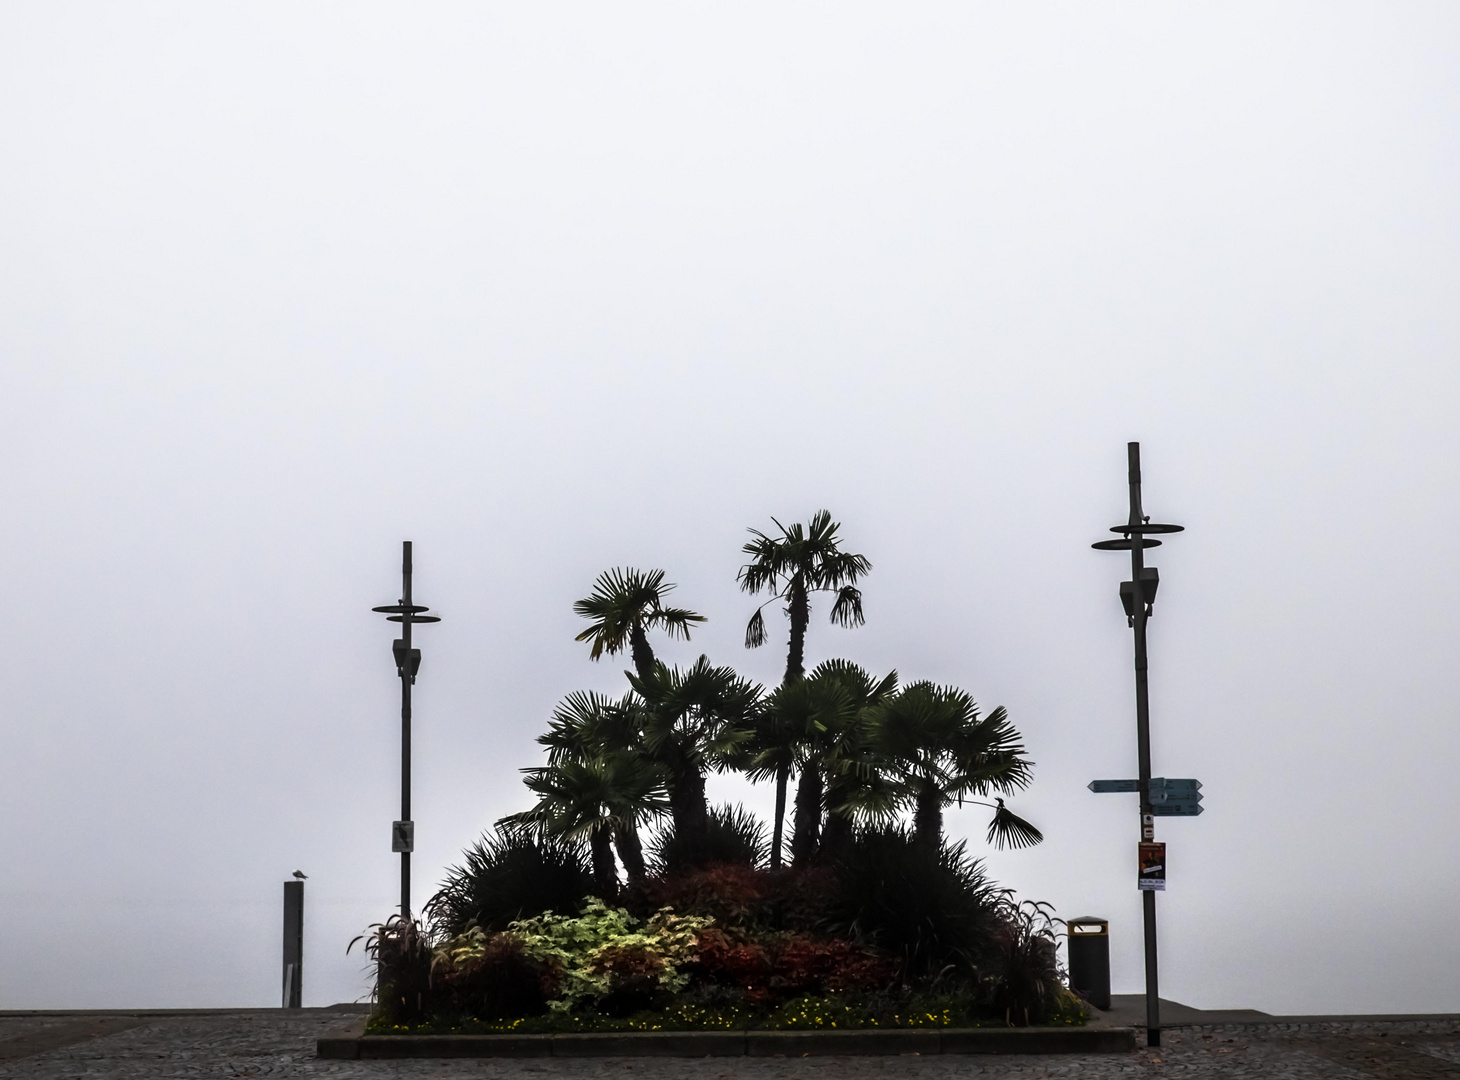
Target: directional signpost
(1168,798)
(1159,796)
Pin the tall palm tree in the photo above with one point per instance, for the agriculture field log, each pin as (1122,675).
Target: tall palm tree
(694,720)
(624,606)
(792,566)
(942,752)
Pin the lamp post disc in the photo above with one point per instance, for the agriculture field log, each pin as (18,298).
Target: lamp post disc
(1148,527)
(414,618)
(413,608)
(1124,544)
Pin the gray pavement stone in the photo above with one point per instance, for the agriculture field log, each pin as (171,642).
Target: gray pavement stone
(203,1047)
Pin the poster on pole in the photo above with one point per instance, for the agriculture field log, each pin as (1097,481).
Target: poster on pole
(1151,876)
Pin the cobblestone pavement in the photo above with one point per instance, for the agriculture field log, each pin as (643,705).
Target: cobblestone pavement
(275,1045)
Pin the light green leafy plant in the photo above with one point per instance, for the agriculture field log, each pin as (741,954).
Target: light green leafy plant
(458,951)
(590,949)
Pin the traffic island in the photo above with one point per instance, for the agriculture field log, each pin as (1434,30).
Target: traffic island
(354,1045)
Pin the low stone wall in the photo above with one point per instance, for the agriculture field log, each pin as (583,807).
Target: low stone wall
(929,1041)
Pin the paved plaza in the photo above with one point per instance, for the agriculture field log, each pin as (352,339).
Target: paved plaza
(272,1043)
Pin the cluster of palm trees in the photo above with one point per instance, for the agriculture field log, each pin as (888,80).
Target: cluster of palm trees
(862,749)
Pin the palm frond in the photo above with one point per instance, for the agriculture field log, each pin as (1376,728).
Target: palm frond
(1008,829)
(755,635)
(622,599)
(673,621)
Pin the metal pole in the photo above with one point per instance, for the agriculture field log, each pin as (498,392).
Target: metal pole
(1143,736)
(405,728)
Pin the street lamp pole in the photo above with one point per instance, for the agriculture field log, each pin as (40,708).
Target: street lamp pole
(407,663)
(1143,744)
(1139,597)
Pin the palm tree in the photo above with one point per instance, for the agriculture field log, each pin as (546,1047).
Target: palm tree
(693,721)
(589,730)
(814,725)
(791,566)
(624,606)
(799,720)
(770,754)
(942,752)
(857,782)
(601,799)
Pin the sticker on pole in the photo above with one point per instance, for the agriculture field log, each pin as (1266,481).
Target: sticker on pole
(1151,876)
(403,836)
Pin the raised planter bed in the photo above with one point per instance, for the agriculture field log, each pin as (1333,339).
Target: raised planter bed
(1052,1040)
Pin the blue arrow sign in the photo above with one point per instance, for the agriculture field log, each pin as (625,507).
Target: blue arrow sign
(1172,788)
(1179,809)
(1114,785)
(1162,783)
(1158,798)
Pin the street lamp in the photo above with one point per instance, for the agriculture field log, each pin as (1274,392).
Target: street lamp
(407,663)
(1138,595)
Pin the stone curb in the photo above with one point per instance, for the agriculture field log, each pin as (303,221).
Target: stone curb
(351,1046)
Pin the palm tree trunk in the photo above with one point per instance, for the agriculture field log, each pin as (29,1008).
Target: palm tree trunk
(689,810)
(807,827)
(836,838)
(605,873)
(807,834)
(639,649)
(778,830)
(928,820)
(630,853)
(800,616)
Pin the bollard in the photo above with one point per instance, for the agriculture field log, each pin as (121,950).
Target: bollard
(293,943)
(1088,939)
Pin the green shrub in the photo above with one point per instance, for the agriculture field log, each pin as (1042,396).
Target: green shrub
(733,835)
(937,914)
(509,876)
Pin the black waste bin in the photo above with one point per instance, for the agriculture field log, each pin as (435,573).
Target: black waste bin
(1088,938)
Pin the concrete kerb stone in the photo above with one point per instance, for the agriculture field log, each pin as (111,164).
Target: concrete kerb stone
(859,1043)
(651,1044)
(350,1045)
(1111,1040)
(386,1047)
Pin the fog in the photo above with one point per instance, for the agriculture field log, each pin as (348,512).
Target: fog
(552,288)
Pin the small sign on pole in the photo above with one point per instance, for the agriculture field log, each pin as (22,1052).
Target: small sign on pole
(403,836)
(1151,876)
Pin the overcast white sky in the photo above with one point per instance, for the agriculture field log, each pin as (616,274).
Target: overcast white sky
(549,288)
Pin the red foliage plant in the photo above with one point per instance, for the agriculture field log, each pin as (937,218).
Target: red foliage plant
(502,982)
(738,896)
(777,967)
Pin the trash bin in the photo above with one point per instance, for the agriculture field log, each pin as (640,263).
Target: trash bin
(1088,940)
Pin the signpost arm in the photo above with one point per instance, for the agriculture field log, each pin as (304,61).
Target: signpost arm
(1143,736)
(405,727)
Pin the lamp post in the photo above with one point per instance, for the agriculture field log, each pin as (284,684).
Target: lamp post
(407,663)
(1139,597)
